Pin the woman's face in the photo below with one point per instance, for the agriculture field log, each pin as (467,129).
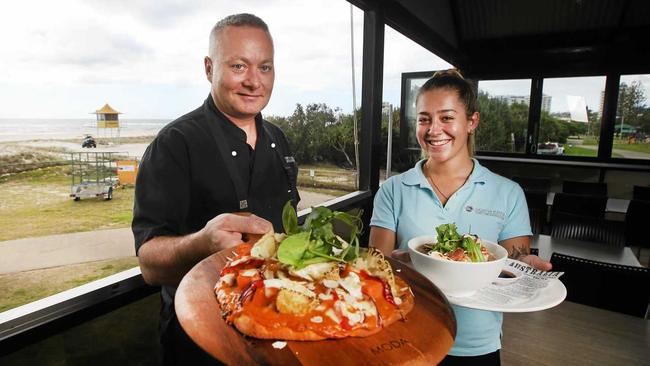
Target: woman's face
(443,127)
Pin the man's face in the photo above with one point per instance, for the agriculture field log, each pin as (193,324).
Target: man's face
(241,71)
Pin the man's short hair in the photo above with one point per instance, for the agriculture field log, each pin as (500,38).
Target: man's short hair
(235,20)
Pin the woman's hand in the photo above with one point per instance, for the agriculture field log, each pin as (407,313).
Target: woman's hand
(536,262)
(519,249)
(401,255)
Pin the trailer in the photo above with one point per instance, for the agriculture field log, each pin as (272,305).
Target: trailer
(94,174)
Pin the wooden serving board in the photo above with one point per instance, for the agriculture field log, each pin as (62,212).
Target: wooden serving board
(424,338)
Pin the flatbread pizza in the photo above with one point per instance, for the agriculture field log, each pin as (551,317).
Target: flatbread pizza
(311,284)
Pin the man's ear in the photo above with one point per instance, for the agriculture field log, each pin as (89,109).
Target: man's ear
(207,62)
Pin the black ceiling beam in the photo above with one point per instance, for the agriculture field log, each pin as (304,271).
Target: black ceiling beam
(402,20)
(578,53)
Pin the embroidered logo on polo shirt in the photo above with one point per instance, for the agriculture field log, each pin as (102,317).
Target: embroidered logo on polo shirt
(487,212)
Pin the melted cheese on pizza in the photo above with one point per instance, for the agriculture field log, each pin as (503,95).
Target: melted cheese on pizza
(329,299)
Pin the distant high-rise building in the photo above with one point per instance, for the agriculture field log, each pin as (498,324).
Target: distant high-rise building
(525,99)
(546,102)
(512,99)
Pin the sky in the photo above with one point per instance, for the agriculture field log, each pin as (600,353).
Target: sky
(66,58)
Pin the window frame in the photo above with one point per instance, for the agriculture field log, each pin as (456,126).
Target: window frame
(606,137)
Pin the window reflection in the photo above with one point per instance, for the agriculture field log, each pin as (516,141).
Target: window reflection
(314,109)
(571,126)
(503,105)
(632,125)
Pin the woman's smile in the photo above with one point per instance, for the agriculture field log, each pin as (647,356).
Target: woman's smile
(437,142)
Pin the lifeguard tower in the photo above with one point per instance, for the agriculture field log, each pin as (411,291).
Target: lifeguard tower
(108,122)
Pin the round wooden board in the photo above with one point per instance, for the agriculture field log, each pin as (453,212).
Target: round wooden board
(424,338)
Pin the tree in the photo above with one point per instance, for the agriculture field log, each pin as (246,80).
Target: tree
(491,133)
(553,129)
(593,126)
(319,133)
(339,137)
(631,99)
(631,103)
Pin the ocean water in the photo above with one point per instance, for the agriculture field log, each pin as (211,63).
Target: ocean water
(41,129)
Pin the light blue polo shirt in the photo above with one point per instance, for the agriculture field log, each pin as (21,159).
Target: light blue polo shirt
(493,207)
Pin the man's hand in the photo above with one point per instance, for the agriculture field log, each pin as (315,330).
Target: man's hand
(225,231)
(164,260)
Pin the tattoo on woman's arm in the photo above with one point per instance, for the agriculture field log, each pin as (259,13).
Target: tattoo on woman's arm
(519,251)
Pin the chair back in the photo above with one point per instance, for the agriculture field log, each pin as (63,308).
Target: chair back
(619,288)
(535,184)
(594,229)
(641,193)
(636,224)
(537,210)
(578,204)
(588,188)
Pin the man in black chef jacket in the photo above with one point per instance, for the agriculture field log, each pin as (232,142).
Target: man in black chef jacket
(218,159)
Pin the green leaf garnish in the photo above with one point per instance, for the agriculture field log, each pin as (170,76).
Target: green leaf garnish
(448,240)
(315,241)
(289,219)
(293,248)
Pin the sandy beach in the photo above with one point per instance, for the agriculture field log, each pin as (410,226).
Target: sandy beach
(64,145)
(59,148)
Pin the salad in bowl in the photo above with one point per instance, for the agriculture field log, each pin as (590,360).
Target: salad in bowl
(458,264)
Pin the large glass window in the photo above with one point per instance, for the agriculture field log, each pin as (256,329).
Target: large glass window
(399,79)
(632,125)
(571,123)
(412,86)
(151,84)
(503,105)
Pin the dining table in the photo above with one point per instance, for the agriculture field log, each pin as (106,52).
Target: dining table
(595,251)
(574,334)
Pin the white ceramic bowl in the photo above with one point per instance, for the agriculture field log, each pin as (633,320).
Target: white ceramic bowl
(458,279)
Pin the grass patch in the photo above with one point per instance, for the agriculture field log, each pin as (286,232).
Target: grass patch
(621,145)
(122,218)
(579,151)
(589,140)
(642,148)
(327,177)
(37,203)
(24,287)
(27,162)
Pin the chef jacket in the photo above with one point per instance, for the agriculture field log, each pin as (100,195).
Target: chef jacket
(200,166)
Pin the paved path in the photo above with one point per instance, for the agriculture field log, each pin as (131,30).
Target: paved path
(60,250)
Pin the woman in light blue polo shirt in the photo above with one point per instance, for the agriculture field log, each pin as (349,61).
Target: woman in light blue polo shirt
(450,186)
